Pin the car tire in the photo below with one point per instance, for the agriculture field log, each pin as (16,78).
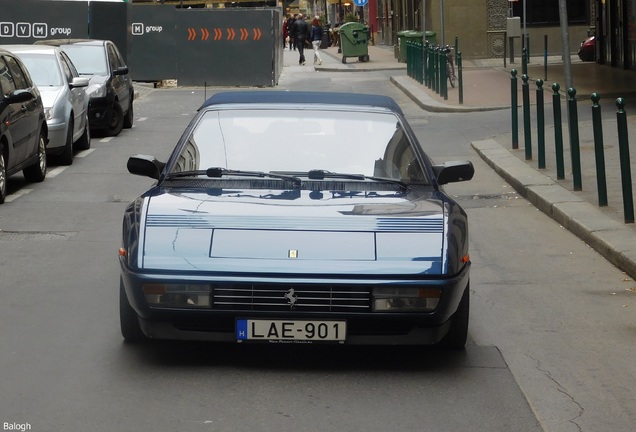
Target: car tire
(66,158)
(84,142)
(128,319)
(458,333)
(116,123)
(37,171)
(3,176)
(128,119)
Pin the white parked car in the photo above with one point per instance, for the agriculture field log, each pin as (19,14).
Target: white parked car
(63,95)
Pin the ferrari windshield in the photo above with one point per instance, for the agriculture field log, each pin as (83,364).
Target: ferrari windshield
(295,141)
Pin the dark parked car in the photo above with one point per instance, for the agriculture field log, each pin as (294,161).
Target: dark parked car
(296,217)
(23,132)
(110,89)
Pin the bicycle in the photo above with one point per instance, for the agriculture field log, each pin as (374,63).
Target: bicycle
(450,66)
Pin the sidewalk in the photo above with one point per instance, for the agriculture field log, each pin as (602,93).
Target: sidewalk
(487,86)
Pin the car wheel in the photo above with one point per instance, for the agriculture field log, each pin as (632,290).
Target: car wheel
(128,120)
(84,143)
(116,121)
(458,332)
(128,319)
(66,158)
(3,177)
(37,171)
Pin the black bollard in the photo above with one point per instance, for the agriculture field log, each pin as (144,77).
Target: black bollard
(558,131)
(575,149)
(540,125)
(514,109)
(626,171)
(525,93)
(460,79)
(601,182)
(524,61)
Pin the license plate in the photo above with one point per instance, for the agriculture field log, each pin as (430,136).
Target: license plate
(290,331)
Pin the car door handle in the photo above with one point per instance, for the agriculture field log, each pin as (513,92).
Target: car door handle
(23,109)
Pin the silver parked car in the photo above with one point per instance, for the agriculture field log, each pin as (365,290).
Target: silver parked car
(63,95)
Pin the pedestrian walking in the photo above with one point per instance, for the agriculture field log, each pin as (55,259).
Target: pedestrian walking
(315,36)
(290,23)
(285,33)
(300,33)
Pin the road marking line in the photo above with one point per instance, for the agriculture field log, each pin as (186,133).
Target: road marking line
(55,172)
(17,195)
(105,140)
(142,119)
(84,153)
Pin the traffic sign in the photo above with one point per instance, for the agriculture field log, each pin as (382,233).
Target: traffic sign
(360,2)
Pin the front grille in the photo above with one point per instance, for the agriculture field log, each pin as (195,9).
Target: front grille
(292,297)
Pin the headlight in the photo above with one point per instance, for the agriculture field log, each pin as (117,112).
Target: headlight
(405,299)
(48,113)
(96,90)
(177,295)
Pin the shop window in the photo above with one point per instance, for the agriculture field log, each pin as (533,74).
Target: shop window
(546,12)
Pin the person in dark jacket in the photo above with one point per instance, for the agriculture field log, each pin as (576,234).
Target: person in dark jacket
(315,36)
(300,33)
(290,24)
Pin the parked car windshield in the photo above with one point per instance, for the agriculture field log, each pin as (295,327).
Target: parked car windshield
(44,69)
(297,141)
(88,59)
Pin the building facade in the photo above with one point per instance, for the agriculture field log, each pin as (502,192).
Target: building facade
(480,26)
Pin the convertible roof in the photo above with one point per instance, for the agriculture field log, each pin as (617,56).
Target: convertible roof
(301,97)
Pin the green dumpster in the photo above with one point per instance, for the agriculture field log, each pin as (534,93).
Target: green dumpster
(354,41)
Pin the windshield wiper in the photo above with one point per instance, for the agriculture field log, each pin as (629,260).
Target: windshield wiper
(318,174)
(218,172)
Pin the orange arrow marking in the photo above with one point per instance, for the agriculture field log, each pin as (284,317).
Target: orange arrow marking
(192,34)
(205,34)
(218,34)
(244,34)
(230,34)
(257,34)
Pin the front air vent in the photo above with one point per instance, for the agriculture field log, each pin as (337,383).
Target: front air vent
(292,297)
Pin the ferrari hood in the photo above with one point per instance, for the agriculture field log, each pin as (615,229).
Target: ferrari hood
(268,232)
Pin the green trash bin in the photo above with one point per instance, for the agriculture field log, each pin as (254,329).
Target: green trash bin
(430,37)
(409,36)
(400,47)
(354,41)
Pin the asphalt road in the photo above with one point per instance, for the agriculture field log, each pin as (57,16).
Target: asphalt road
(550,348)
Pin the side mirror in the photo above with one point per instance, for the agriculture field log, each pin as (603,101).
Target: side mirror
(19,96)
(455,171)
(121,71)
(144,165)
(79,82)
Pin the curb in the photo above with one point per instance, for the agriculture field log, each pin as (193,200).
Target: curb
(412,89)
(613,240)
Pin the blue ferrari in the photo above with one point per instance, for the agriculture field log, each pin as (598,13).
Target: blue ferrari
(296,217)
